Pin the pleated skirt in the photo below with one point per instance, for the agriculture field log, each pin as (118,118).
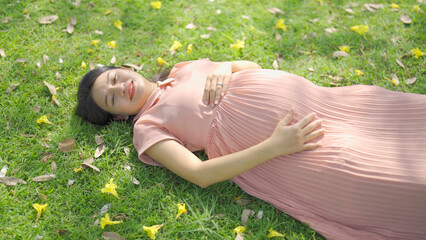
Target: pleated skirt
(367,181)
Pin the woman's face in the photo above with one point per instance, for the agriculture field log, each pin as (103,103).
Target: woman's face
(121,92)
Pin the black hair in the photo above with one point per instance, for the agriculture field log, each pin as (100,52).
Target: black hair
(86,106)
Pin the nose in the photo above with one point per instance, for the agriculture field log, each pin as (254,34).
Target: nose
(117,89)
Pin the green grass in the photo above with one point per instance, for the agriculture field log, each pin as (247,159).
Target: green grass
(148,34)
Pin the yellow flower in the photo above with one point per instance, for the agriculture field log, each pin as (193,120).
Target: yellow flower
(189,49)
(272,234)
(359,72)
(176,45)
(417,53)
(394,6)
(320,1)
(238,44)
(83,65)
(112,44)
(181,209)
(252,28)
(344,48)
(151,231)
(156,4)
(239,229)
(78,169)
(361,29)
(110,188)
(106,221)
(25,11)
(95,42)
(118,24)
(161,61)
(107,12)
(89,50)
(39,208)
(416,8)
(43,119)
(280,24)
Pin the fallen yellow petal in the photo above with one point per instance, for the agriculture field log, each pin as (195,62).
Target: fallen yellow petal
(95,42)
(238,44)
(151,231)
(25,11)
(189,49)
(106,221)
(359,72)
(83,65)
(89,50)
(344,48)
(280,24)
(161,61)
(360,29)
(43,119)
(112,44)
(107,12)
(156,4)
(417,53)
(110,188)
(78,169)
(272,234)
(176,45)
(239,229)
(39,208)
(394,6)
(118,24)
(181,209)
(416,8)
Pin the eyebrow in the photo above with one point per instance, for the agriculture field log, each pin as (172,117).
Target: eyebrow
(106,95)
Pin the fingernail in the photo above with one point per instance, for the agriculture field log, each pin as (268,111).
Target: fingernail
(216,102)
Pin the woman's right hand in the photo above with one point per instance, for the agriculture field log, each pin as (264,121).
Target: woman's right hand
(288,139)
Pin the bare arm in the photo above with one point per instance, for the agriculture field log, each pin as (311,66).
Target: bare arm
(284,140)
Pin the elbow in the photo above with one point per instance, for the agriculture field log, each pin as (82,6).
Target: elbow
(201,182)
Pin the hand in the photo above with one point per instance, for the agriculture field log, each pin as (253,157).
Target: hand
(288,139)
(217,83)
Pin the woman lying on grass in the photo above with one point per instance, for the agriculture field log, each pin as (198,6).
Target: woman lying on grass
(365,178)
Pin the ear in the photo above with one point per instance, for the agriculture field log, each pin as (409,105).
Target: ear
(120,117)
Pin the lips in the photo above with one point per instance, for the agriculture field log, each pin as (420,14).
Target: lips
(131,90)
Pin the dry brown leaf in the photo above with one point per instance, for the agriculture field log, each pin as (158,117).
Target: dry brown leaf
(91,65)
(211,28)
(36,109)
(190,26)
(48,19)
(136,67)
(60,60)
(70,28)
(73,20)
(340,54)
(400,63)
(67,145)
(350,11)
(275,64)
(99,150)
(99,32)
(47,157)
(405,19)
(3,171)
(61,232)
(275,10)
(53,167)
(51,88)
(243,202)
(45,58)
(135,181)
(112,236)
(70,182)
(311,70)
(205,36)
(259,215)
(315,20)
(331,30)
(11,181)
(77,3)
(410,80)
(113,59)
(88,163)
(98,140)
(280,58)
(43,178)
(2,53)
(395,79)
(239,236)
(21,60)
(126,151)
(246,214)
(219,215)
(372,7)
(245,17)
(12,87)
(42,196)
(278,36)
(56,101)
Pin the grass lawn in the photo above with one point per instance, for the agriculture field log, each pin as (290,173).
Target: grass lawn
(314,30)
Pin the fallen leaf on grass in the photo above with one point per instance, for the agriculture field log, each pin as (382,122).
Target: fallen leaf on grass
(12,87)
(67,145)
(98,140)
(275,64)
(60,60)
(405,19)
(77,3)
(52,89)
(99,32)
(337,54)
(3,171)
(45,58)
(88,163)
(135,181)
(70,182)
(331,30)
(211,28)
(11,181)
(190,26)
(99,150)
(246,214)
(62,232)
(48,19)
(47,157)
(126,151)
(69,29)
(105,208)
(410,80)
(219,215)
(239,237)
(136,67)
(113,59)
(275,10)
(2,53)
(21,60)
(350,11)
(400,63)
(112,236)
(395,79)
(42,196)
(73,20)
(44,178)
(259,215)
(372,7)
(53,167)
(243,202)
(205,36)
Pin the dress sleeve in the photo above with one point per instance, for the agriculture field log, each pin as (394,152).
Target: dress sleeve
(147,134)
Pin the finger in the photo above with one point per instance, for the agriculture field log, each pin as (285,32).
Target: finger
(288,117)
(310,146)
(313,135)
(311,126)
(219,90)
(206,91)
(212,90)
(225,84)
(304,121)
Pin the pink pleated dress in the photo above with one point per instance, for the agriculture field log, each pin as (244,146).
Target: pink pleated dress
(368,181)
